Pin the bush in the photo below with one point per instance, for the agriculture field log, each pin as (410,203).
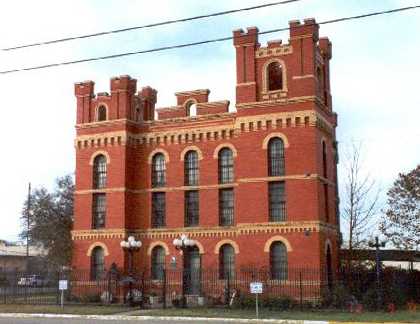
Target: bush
(370,298)
(281,303)
(338,297)
(90,298)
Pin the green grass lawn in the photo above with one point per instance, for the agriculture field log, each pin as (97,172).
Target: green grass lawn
(333,315)
(71,309)
(327,315)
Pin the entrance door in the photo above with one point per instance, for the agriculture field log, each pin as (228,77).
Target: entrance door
(192,271)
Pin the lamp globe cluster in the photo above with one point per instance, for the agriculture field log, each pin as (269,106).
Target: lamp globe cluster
(131,243)
(183,241)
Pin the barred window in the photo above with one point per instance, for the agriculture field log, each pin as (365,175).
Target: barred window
(191,171)
(275,157)
(158,209)
(191,208)
(158,262)
(97,268)
(99,172)
(277,201)
(98,210)
(278,261)
(158,170)
(101,113)
(324,159)
(225,165)
(226,207)
(226,262)
(275,76)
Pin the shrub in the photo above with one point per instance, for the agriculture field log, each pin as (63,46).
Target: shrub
(278,303)
(338,297)
(90,298)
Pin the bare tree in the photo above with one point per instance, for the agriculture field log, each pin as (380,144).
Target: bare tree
(360,201)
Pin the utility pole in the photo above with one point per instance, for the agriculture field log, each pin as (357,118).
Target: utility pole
(28,215)
(378,245)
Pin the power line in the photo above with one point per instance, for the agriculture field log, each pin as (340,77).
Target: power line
(167,22)
(164,48)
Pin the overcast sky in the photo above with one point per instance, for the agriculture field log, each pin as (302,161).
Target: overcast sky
(375,72)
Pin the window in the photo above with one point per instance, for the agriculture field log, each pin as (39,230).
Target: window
(191,208)
(158,263)
(226,207)
(324,159)
(97,263)
(158,170)
(326,203)
(278,261)
(275,76)
(101,113)
(226,262)
(158,209)
(225,165)
(275,157)
(98,210)
(191,172)
(99,172)
(277,201)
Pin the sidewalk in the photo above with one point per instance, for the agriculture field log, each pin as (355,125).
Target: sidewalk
(145,318)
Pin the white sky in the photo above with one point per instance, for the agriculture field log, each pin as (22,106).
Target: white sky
(375,69)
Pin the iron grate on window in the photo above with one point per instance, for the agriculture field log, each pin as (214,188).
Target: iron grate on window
(276,157)
(226,207)
(191,208)
(225,165)
(158,170)
(158,209)
(277,201)
(98,210)
(191,170)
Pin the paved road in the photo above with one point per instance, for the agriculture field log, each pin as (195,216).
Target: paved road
(94,321)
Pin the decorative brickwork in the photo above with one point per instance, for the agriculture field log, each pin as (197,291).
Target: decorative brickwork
(297,113)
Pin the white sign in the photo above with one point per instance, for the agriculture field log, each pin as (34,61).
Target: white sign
(256,287)
(62,285)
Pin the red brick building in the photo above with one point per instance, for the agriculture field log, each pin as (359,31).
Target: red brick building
(255,187)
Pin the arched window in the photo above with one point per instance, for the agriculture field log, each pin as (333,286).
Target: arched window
(99,172)
(225,165)
(101,113)
(278,261)
(158,170)
(158,262)
(98,210)
(275,76)
(275,157)
(226,262)
(191,172)
(97,263)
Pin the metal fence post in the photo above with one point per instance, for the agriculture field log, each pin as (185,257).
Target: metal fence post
(301,290)
(164,288)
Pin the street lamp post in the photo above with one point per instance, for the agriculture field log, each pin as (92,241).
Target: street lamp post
(131,246)
(183,243)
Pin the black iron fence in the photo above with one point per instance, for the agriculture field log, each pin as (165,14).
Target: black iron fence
(300,287)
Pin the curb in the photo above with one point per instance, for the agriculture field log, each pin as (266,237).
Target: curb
(180,318)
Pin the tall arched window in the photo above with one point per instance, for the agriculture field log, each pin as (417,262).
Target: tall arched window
(226,262)
(329,268)
(225,165)
(278,261)
(99,172)
(97,263)
(158,262)
(275,157)
(101,113)
(191,172)
(275,76)
(158,170)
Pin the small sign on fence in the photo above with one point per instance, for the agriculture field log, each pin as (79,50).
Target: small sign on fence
(256,287)
(63,284)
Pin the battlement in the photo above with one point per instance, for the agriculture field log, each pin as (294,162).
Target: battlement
(309,27)
(242,38)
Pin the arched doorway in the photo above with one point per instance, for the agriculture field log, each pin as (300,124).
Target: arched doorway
(192,271)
